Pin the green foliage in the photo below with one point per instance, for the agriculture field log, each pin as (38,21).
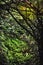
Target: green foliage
(12,49)
(16,44)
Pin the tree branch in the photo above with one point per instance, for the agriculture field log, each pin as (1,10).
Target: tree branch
(20,24)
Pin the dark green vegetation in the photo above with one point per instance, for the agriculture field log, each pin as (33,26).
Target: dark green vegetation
(16,48)
(21,32)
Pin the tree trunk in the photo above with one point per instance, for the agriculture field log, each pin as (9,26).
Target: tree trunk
(40,45)
(41,51)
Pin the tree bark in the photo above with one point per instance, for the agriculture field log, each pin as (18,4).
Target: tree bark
(40,44)
(41,51)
